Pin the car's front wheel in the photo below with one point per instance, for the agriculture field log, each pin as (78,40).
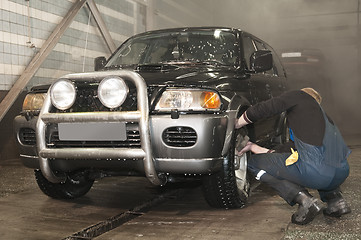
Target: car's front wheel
(77,184)
(229,188)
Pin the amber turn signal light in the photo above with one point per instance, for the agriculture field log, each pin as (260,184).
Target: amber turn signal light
(210,100)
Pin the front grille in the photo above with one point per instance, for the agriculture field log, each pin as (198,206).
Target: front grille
(27,136)
(88,101)
(180,136)
(132,141)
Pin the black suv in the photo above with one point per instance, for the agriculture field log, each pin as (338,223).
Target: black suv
(162,106)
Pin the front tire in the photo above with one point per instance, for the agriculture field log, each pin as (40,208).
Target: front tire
(77,184)
(229,188)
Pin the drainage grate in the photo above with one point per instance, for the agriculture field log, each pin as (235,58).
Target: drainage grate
(118,220)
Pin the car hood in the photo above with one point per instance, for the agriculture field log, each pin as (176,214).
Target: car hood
(187,76)
(156,76)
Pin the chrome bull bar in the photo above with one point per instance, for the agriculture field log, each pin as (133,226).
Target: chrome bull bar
(141,116)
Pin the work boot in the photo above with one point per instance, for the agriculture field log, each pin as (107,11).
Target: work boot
(336,206)
(309,207)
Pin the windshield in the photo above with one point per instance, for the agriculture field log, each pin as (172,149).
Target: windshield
(169,47)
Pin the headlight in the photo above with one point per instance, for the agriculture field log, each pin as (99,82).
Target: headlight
(33,101)
(189,99)
(62,94)
(112,92)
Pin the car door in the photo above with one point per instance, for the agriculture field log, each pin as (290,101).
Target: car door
(262,85)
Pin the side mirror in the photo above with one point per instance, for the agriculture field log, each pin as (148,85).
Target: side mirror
(99,63)
(261,61)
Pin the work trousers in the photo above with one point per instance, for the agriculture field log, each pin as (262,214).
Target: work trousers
(288,181)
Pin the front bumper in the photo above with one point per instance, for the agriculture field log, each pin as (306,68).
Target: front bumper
(204,156)
(153,156)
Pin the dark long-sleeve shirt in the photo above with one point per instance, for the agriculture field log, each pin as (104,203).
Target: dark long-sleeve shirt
(304,115)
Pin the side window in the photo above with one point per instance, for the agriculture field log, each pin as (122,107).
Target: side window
(259,45)
(248,48)
(279,71)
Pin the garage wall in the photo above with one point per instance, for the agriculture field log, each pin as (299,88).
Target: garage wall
(76,49)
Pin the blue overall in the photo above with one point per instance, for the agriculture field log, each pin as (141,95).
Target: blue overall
(323,168)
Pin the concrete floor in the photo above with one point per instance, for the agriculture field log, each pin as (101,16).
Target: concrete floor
(135,209)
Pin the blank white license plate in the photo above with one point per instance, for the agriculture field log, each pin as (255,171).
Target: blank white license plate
(93,131)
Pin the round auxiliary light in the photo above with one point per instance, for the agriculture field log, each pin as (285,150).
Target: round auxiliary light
(112,92)
(62,94)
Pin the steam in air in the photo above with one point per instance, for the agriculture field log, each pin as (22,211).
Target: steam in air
(330,28)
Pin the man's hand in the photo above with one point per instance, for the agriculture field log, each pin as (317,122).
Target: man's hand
(254,148)
(246,148)
(240,122)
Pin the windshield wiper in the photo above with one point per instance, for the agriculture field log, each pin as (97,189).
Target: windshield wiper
(194,62)
(178,62)
(157,66)
(113,67)
(213,62)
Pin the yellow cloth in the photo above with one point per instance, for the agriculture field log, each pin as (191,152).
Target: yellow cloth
(292,158)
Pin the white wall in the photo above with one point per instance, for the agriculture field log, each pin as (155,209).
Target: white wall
(75,50)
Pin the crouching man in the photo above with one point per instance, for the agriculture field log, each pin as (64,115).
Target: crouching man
(319,160)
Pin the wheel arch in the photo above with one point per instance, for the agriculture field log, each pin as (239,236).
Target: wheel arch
(236,107)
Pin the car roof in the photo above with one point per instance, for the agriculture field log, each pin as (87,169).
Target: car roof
(186,29)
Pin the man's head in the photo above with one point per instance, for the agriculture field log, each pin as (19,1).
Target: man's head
(313,93)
